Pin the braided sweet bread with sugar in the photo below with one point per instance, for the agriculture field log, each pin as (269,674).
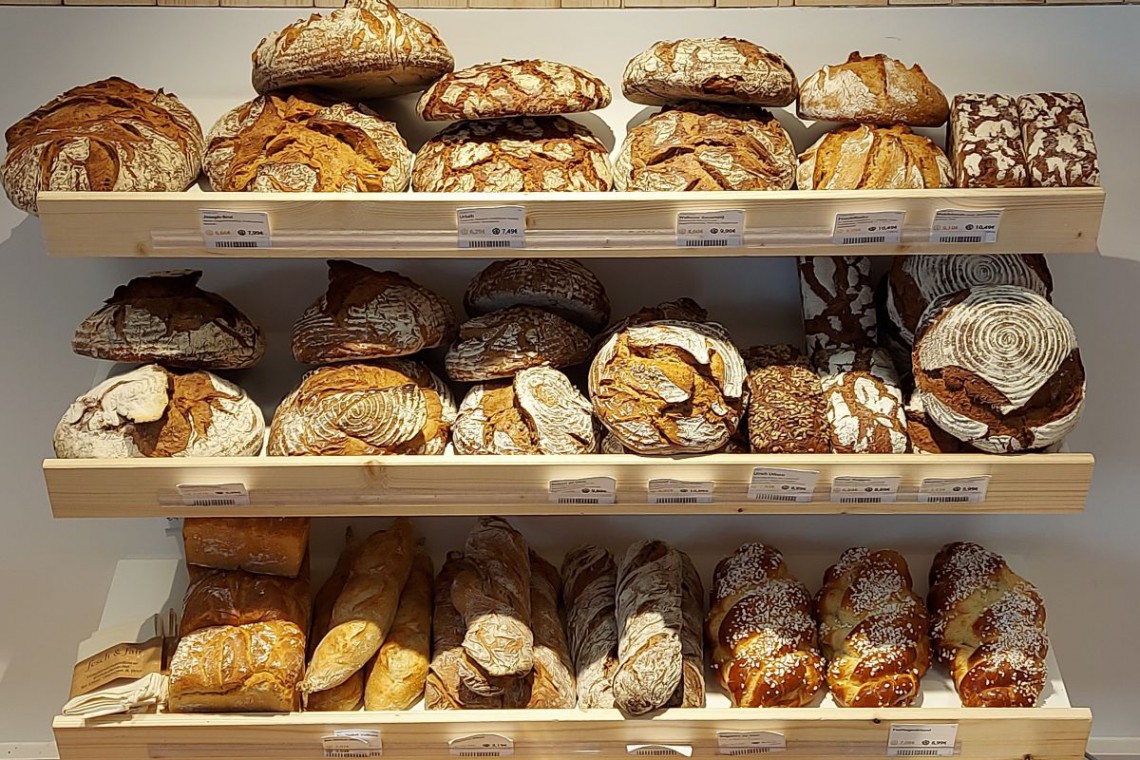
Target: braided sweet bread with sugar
(760,627)
(872,630)
(988,625)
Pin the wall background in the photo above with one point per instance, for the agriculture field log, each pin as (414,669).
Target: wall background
(55,573)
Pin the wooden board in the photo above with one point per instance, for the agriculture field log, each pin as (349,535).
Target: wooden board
(519,485)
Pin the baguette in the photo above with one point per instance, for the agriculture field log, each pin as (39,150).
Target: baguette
(396,679)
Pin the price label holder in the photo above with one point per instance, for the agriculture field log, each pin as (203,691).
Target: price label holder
(234,229)
(491,227)
(222,495)
(953,225)
(659,750)
(601,490)
(852,490)
(953,490)
(482,745)
(922,740)
(352,742)
(783,485)
(750,742)
(669,491)
(712,229)
(870,228)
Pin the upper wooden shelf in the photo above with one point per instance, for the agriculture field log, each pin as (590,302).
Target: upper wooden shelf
(618,225)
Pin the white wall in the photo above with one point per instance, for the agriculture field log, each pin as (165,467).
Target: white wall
(55,573)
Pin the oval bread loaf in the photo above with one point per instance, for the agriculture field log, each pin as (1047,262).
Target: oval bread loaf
(863,157)
(505,342)
(873,90)
(513,88)
(561,286)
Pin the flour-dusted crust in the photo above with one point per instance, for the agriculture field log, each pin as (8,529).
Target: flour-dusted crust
(838,303)
(366,314)
(984,142)
(165,317)
(505,342)
(107,135)
(552,684)
(589,583)
(1059,146)
(520,154)
(865,157)
(388,406)
(706,147)
(681,310)
(368,49)
(873,90)
(865,405)
(155,412)
(304,141)
(786,405)
(562,286)
(999,367)
(724,70)
(926,437)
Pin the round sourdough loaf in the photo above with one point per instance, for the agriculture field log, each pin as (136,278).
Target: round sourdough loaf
(873,90)
(522,154)
(725,70)
(865,406)
(389,406)
(165,317)
(366,314)
(107,135)
(999,367)
(561,286)
(368,49)
(505,342)
(786,406)
(863,157)
(538,411)
(513,88)
(706,147)
(155,412)
(669,387)
(303,141)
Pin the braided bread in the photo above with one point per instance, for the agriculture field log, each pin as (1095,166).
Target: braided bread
(762,633)
(988,625)
(872,630)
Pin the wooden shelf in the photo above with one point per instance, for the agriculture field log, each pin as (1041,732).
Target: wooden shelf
(318,225)
(519,485)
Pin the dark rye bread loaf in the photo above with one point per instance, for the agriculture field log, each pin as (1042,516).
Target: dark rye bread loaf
(1059,146)
(984,142)
(865,403)
(838,303)
(589,581)
(864,157)
(513,88)
(786,405)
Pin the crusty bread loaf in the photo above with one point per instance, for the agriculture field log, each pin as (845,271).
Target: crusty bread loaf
(838,304)
(589,580)
(235,597)
(786,405)
(350,694)
(863,157)
(865,402)
(1059,146)
(267,545)
(873,90)
(561,286)
(552,684)
(690,691)
(396,678)
(513,88)
(505,342)
(983,140)
(109,135)
(680,310)
(342,698)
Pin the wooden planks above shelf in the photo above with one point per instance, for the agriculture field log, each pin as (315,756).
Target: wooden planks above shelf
(520,485)
(623,225)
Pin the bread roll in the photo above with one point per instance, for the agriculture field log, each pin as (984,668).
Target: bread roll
(786,406)
(984,142)
(589,580)
(513,88)
(267,545)
(234,597)
(864,403)
(873,90)
(1059,146)
(552,685)
(396,678)
(505,342)
(863,157)
(560,286)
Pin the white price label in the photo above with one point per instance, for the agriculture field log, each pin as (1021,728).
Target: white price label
(235,229)
(918,740)
(352,742)
(750,742)
(952,225)
(223,495)
(714,229)
(669,491)
(869,228)
(583,491)
(778,484)
(953,490)
(659,750)
(851,490)
(492,227)
(482,745)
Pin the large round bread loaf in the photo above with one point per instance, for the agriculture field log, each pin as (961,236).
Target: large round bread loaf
(999,367)
(706,147)
(865,405)
(303,141)
(368,49)
(786,405)
(513,88)
(873,90)
(155,412)
(863,157)
(505,342)
(107,135)
(561,286)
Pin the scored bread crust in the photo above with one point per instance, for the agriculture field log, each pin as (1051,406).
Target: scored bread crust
(513,88)
(505,342)
(873,90)
(561,286)
(865,157)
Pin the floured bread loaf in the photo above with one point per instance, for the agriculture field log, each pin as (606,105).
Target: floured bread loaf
(706,147)
(505,342)
(561,286)
(368,49)
(513,88)
(999,367)
(681,310)
(725,70)
(366,314)
(863,157)
(389,406)
(838,303)
(865,413)
(1059,146)
(538,411)
(786,405)
(669,387)
(984,142)
(155,412)
(737,444)
(107,135)
(304,141)
(521,154)
(926,437)
(873,90)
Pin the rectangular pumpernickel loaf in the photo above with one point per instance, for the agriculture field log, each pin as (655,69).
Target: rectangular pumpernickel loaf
(1059,147)
(984,141)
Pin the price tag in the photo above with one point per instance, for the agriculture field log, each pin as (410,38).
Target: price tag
(880,490)
(583,491)
(918,740)
(352,742)
(750,742)
(778,484)
(953,490)
(866,229)
(492,227)
(952,225)
(669,491)
(224,495)
(659,750)
(482,745)
(715,229)
(234,229)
